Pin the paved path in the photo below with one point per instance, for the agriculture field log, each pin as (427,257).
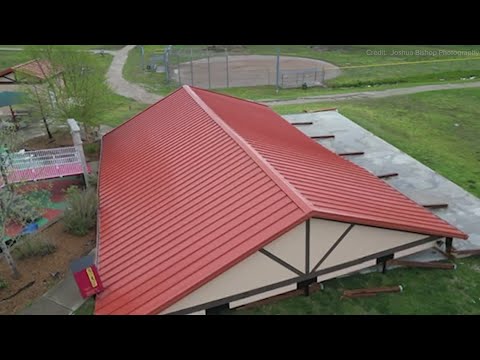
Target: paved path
(372,94)
(63,299)
(123,87)
(415,180)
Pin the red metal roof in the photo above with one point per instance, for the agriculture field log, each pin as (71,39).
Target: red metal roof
(335,187)
(199,181)
(41,69)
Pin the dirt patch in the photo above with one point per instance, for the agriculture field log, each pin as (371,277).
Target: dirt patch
(69,248)
(61,138)
(253,70)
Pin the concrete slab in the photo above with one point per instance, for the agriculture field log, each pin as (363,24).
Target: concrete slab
(44,306)
(66,293)
(415,180)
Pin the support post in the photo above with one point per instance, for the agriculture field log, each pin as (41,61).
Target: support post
(14,117)
(209,80)
(191,66)
(228,80)
(178,69)
(142,51)
(278,70)
(448,245)
(77,142)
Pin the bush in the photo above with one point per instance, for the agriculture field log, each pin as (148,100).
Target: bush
(81,212)
(91,148)
(33,246)
(92,180)
(3,284)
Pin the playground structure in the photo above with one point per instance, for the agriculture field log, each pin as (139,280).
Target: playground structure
(25,166)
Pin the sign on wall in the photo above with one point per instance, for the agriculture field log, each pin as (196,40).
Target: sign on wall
(86,276)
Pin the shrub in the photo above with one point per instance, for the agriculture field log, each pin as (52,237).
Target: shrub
(81,212)
(3,284)
(91,148)
(92,180)
(35,245)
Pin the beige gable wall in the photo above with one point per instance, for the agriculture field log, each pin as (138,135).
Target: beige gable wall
(256,271)
(290,247)
(363,241)
(323,234)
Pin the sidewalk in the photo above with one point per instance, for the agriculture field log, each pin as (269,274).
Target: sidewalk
(63,299)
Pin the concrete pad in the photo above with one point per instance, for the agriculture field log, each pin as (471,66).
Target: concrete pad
(44,306)
(66,293)
(415,180)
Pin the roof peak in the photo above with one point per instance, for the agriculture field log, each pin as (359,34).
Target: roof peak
(223,94)
(281,182)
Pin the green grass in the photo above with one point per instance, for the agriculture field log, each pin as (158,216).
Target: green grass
(438,128)
(422,125)
(426,292)
(11,58)
(87,308)
(346,56)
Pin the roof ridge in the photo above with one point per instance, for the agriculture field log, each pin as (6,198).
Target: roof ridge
(23,64)
(283,183)
(227,95)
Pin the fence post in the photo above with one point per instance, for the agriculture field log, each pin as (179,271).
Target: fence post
(77,142)
(226,55)
(142,51)
(166,62)
(278,69)
(191,65)
(178,69)
(208,60)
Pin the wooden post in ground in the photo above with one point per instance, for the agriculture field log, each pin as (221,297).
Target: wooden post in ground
(448,245)
(77,142)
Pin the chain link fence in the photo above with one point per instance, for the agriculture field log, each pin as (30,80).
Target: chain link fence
(214,67)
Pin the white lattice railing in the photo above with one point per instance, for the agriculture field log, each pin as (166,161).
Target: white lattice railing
(42,164)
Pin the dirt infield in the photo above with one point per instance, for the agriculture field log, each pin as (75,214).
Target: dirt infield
(253,70)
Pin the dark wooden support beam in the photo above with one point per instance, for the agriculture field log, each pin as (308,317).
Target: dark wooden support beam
(352,153)
(322,137)
(372,291)
(14,117)
(320,110)
(387,175)
(420,264)
(435,206)
(302,123)
(466,252)
(448,245)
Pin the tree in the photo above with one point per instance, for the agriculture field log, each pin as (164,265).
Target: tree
(14,206)
(74,85)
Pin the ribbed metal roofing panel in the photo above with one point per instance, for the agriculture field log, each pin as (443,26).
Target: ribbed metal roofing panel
(199,181)
(336,188)
(182,199)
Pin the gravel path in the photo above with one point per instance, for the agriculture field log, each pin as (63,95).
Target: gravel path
(372,94)
(123,87)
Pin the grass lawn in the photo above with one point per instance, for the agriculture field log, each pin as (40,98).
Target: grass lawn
(87,308)
(426,292)
(438,128)
(422,125)
(11,58)
(360,71)
(120,108)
